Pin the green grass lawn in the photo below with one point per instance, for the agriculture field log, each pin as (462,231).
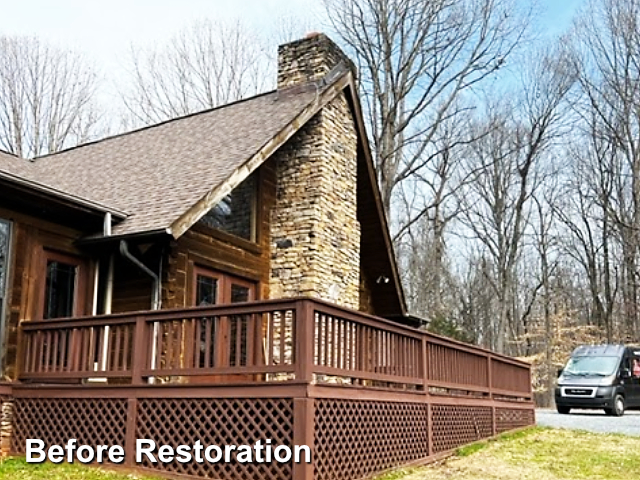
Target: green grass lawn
(532,454)
(19,469)
(538,454)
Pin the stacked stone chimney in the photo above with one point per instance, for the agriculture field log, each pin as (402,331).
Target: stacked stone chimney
(309,60)
(315,235)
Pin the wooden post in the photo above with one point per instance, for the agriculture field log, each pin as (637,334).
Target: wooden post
(139,360)
(130,432)
(304,344)
(493,407)
(425,365)
(303,425)
(20,352)
(425,380)
(489,376)
(430,429)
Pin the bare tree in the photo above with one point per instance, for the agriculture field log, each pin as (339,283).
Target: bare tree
(589,240)
(426,206)
(203,66)
(606,39)
(508,168)
(46,97)
(415,58)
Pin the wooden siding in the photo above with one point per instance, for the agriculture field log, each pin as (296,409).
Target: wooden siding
(206,247)
(131,287)
(30,237)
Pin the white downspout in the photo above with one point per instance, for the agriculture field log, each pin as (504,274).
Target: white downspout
(155,297)
(108,294)
(101,364)
(108,302)
(96,287)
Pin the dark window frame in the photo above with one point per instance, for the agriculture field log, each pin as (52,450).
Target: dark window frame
(5,280)
(254,237)
(225,283)
(80,282)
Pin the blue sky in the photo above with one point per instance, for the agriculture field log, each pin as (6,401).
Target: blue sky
(557,14)
(105,31)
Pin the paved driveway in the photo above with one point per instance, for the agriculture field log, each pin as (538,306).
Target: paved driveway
(592,420)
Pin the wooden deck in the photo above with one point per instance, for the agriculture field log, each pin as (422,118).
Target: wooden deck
(365,393)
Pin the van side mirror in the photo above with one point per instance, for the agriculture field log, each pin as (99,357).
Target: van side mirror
(560,370)
(625,373)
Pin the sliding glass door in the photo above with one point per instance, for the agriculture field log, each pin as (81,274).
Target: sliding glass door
(5,236)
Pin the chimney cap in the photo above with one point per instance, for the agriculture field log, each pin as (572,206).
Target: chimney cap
(309,59)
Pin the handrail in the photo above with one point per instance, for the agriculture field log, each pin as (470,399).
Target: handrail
(264,341)
(273,304)
(450,341)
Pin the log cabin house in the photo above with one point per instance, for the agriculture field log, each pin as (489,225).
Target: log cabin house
(270,197)
(121,262)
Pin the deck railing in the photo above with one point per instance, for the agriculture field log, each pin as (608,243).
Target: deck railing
(296,340)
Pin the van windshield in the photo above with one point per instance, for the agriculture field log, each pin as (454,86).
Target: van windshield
(592,365)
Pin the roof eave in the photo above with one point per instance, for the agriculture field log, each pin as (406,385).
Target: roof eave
(55,194)
(359,121)
(142,235)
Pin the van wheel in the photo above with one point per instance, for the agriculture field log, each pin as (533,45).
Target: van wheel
(563,410)
(618,406)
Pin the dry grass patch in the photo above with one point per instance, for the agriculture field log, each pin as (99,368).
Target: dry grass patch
(18,469)
(538,454)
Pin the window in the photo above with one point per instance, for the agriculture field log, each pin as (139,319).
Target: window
(240,293)
(213,288)
(5,236)
(60,289)
(236,213)
(206,290)
(63,286)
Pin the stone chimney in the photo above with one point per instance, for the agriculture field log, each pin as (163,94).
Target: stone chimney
(309,59)
(315,234)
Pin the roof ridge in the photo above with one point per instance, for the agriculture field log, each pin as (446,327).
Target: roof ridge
(12,154)
(159,124)
(329,78)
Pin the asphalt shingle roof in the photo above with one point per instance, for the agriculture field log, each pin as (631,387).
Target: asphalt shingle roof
(14,165)
(157,173)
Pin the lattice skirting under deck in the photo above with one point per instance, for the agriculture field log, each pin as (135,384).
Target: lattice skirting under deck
(218,422)
(55,420)
(352,439)
(356,439)
(512,418)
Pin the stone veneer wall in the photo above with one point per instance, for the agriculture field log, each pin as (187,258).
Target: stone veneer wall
(315,235)
(6,425)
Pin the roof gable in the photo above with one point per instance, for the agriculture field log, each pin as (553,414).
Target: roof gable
(157,174)
(164,178)
(322,96)
(376,245)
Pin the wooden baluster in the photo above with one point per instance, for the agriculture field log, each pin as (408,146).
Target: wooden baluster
(179,350)
(126,346)
(270,359)
(251,321)
(198,354)
(117,350)
(239,333)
